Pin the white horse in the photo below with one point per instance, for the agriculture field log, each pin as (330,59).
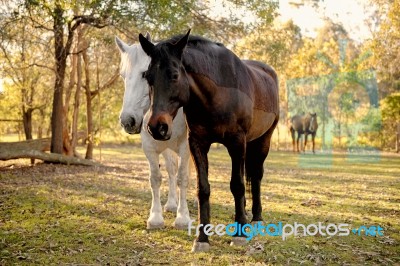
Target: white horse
(136,103)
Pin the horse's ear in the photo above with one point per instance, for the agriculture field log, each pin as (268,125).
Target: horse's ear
(146,45)
(148,37)
(181,44)
(121,45)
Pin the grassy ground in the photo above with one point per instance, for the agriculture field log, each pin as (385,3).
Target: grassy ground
(55,214)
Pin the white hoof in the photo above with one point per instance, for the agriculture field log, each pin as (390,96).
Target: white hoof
(155,225)
(181,222)
(155,222)
(200,247)
(238,241)
(170,207)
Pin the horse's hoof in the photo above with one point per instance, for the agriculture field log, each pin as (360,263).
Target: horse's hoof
(170,208)
(155,223)
(200,247)
(238,241)
(181,223)
(256,222)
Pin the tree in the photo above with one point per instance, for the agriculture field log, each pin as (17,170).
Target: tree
(386,60)
(57,23)
(22,67)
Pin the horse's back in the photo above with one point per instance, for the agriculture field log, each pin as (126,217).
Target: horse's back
(265,86)
(264,92)
(296,123)
(266,68)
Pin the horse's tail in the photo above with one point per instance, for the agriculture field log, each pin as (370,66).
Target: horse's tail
(268,136)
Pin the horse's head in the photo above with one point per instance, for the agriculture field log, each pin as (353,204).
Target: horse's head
(313,122)
(134,63)
(168,81)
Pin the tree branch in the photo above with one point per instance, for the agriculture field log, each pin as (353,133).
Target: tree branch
(109,83)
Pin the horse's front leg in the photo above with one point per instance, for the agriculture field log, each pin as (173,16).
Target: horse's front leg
(236,146)
(182,216)
(156,219)
(305,142)
(199,148)
(171,166)
(298,140)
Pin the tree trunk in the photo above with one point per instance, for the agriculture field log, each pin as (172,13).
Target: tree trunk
(398,138)
(74,127)
(89,115)
(27,122)
(61,60)
(34,149)
(80,46)
(41,123)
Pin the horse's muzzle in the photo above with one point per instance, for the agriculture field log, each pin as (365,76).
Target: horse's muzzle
(160,132)
(160,128)
(129,125)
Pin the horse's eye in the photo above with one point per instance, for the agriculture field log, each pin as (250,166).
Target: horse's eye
(175,76)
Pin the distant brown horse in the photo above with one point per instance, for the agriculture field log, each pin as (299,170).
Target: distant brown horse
(304,124)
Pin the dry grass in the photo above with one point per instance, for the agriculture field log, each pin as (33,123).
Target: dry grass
(55,214)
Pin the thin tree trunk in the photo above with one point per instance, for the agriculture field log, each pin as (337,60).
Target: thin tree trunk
(41,122)
(27,122)
(398,138)
(74,139)
(89,114)
(80,46)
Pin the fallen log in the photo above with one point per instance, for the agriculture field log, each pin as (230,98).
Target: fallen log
(35,149)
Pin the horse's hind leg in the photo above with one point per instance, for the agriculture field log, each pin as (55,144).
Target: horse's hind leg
(156,219)
(256,153)
(182,216)
(298,140)
(171,166)
(292,133)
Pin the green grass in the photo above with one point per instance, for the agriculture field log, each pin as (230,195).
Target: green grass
(55,214)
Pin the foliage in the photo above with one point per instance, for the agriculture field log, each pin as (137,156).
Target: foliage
(385,46)
(390,119)
(28,63)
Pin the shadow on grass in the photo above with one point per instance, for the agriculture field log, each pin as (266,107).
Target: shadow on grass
(69,214)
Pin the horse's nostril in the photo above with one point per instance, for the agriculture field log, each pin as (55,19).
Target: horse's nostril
(132,122)
(163,129)
(127,121)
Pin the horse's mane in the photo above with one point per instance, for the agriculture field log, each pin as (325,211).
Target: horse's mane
(211,59)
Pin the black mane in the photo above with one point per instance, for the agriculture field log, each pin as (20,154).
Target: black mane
(211,59)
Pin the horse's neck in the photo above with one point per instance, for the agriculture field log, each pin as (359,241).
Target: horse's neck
(201,87)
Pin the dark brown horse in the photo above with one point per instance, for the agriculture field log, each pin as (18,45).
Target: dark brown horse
(303,124)
(225,100)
